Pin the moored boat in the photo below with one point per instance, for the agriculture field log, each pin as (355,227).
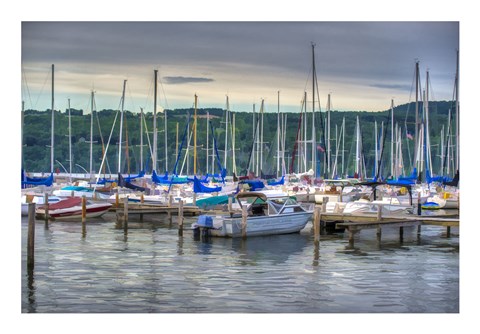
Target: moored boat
(71,209)
(265,216)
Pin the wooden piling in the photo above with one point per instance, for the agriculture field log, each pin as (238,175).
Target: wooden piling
(448,231)
(142,200)
(169,212)
(244,222)
(379,213)
(46,209)
(117,200)
(419,205)
(379,233)
(401,233)
(316,224)
(351,233)
(230,200)
(125,213)
(324,204)
(180,218)
(84,215)
(31,236)
(194,199)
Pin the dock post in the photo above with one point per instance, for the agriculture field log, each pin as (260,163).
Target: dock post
(45,199)
(244,222)
(351,233)
(194,199)
(142,200)
(180,218)
(230,200)
(84,215)
(117,200)
(401,233)
(169,212)
(316,224)
(125,213)
(324,204)
(31,236)
(448,231)
(379,213)
(419,205)
(379,233)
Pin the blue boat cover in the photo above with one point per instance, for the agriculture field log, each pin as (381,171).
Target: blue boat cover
(198,187)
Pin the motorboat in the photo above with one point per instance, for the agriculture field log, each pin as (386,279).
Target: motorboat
(71,209)
(264,216)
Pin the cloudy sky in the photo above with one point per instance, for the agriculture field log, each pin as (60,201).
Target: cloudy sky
(363,65)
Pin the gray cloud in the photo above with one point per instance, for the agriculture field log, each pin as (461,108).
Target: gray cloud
(393,86)
(184,80)
(364,54)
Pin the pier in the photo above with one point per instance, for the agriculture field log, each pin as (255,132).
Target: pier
(354,223)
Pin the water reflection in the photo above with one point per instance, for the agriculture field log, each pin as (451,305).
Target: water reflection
(276,249)
(31,290)
(155,270)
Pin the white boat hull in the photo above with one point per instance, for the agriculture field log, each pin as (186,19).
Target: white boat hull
(260,225)
(75,212)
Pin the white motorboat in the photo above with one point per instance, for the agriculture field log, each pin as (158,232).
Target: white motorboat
(71,208)
(265,216)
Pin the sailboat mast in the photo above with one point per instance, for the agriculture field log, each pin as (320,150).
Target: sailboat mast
(329,154)
(208,151)
(357,151)
(391,144)
(417,120)
(457,114)
(226,134)
(52,139)
(314,160)
(91,135)
(121,128)
(154,162)
(141,139)
(234,163)
(195,138)
(261,136)
(376,149)
(70,138)
(343,146)
(278,133)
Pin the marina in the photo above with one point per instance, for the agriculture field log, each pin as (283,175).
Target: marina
(252,190)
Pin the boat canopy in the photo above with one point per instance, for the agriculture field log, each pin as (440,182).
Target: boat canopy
(251,194)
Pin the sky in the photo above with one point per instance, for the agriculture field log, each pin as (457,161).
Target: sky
(362,65)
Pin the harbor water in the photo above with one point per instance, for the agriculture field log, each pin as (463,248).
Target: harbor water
(149,268)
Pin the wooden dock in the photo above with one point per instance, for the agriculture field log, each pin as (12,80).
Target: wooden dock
(354,223)
(144,208)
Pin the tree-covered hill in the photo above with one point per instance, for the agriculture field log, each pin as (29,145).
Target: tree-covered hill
(37,137)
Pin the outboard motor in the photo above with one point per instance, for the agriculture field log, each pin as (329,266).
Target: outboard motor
(203,226)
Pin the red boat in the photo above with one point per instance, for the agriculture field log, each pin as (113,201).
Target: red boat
(71,208)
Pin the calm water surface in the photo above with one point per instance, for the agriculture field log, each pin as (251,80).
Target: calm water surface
(152,269)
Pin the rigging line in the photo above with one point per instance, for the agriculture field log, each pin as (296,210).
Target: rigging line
(106,150)
(149,94)
(41,90)
(28,89)
(383,144)
(164,95)
(101,139)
